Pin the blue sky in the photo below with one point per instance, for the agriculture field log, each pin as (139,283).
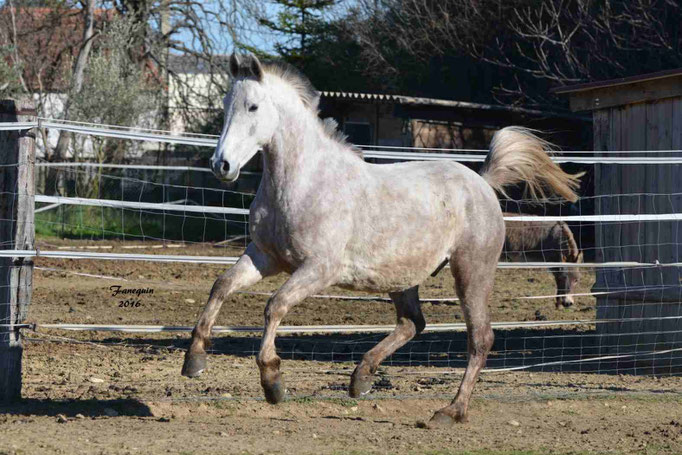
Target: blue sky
(253,33)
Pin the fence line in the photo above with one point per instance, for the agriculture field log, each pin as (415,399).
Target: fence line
(620,218)
(211,141)
(207,170)
(47,122)
(126,133)
(149,167)
(333,329)
(121,256)
(596,218)
(140,205)
(17,126)
(408,156)
(233,259)
(588,359)
(485,151)
(300,329)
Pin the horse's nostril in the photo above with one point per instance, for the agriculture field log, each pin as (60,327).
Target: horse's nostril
(224,167)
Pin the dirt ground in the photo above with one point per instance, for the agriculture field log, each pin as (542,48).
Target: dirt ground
(181,290)
(119,393)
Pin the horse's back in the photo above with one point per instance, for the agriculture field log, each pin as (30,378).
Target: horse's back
(537,240)
(410,217)
(443,192)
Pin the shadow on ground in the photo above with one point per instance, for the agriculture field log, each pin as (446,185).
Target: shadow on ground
(547,350)
(70,408)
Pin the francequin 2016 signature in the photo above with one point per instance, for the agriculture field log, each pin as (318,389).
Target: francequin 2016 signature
(131,296)
(118,290)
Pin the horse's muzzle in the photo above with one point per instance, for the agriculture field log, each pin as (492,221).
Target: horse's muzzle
(225,171)
(564,301)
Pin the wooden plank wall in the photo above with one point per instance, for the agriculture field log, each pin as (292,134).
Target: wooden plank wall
(633,189)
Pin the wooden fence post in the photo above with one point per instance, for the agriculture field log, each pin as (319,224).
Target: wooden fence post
(17,158)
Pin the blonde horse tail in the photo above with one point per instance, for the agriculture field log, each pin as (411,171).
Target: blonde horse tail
(517,155)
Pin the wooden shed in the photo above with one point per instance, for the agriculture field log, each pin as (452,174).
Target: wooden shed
(401,120)
(642,306)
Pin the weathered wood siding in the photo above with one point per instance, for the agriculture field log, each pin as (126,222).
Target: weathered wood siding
(651,297)
(17,157)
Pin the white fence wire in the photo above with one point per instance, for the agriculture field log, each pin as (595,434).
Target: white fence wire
(645,330)
(369,151)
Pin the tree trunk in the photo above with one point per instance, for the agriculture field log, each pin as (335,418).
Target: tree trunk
(76,85)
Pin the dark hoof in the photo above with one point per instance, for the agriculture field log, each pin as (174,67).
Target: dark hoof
(360,385)
(195,364)
(440,420)
(275,393)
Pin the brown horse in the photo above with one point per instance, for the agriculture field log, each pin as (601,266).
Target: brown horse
(546,241)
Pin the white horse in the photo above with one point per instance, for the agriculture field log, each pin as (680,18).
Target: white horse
(327,217)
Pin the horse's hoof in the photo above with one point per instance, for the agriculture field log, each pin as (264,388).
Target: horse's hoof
(440,420)
(195,364)
(360,385)
(275,393)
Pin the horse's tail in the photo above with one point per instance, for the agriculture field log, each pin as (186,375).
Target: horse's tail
(517,155)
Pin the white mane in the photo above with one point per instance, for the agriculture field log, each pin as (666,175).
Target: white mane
(310,98)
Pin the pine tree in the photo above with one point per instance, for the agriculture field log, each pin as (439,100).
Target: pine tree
(300,22)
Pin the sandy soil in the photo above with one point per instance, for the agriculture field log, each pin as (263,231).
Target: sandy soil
(122,393)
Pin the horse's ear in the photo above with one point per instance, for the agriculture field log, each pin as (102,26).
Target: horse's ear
(580,258)
(234,65)
(256,68)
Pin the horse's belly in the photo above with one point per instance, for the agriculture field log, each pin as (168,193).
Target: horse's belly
(381,283)
(390,276)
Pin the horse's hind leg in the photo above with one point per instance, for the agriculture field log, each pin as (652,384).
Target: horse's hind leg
(253,266)
(474,277)
(410,323)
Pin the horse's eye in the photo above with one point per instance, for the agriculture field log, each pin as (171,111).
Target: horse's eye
(253,108)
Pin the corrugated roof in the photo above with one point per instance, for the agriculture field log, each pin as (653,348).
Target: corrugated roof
(619,81)
(421,101)
(361,96)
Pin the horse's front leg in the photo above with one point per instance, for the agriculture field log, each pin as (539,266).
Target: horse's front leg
(307,280)
(252,267)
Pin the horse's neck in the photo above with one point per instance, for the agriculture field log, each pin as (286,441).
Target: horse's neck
(294,157)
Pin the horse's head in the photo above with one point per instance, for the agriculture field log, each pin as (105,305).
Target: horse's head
(566,280)
(250,118)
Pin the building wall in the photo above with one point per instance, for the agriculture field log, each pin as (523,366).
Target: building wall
(652,293)
(189,93)
(388,128)
(384,127)
(83,147)
(443,134)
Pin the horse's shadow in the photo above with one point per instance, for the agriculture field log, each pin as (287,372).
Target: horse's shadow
(71,408)
(547,350)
